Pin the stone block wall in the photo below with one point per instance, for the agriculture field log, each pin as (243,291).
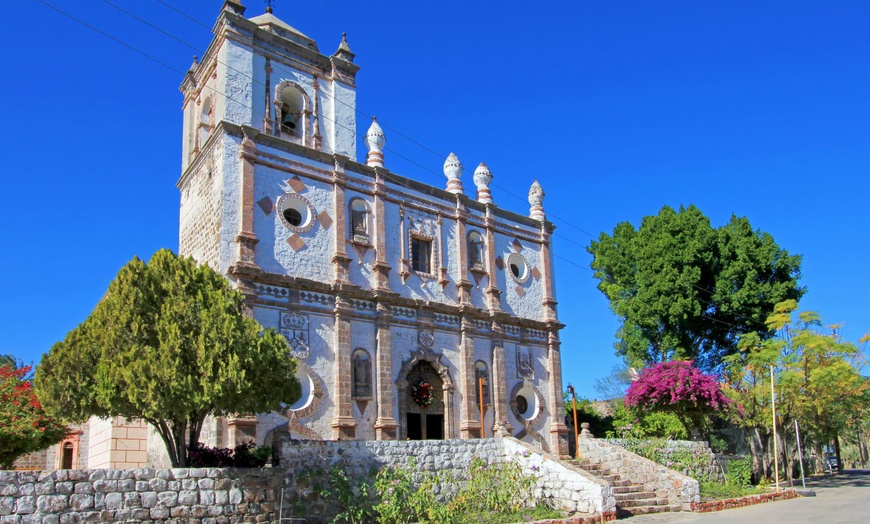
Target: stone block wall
(563,486)
(705,464)
(206,495)
(678,488)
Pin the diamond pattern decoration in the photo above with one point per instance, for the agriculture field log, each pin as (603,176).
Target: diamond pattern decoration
(295,184)
(295,242)
(324,219)
(499,263)
(536,273)
(266,205)
(516,245)
(520,291)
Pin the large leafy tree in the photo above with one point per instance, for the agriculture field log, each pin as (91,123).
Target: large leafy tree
(686,290)
(169,343)
(24,426)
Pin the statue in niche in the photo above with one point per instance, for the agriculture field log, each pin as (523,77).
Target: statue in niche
(362,374)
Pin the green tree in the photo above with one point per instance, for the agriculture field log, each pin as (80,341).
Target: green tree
(685,290)
(633,423)
(169,343)
(816,378)
(24,426)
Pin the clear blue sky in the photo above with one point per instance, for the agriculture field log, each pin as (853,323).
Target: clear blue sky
(618,108)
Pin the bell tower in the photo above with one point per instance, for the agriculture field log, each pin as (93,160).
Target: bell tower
(262,85)
(264,73)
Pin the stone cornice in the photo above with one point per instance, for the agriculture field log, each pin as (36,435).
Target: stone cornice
(253,275)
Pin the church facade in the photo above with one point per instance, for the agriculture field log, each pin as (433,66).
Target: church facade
(415,312)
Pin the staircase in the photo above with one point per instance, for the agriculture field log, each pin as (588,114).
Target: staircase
(631,499)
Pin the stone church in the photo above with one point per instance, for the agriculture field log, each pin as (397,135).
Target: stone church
(415,312)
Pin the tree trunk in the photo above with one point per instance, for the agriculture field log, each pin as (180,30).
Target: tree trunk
(757,448)
(837,451)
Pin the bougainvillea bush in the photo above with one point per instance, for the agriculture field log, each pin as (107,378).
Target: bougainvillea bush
(680,388)
(24,426)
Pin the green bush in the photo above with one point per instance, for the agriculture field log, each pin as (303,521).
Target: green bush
(740,472)
(717,491)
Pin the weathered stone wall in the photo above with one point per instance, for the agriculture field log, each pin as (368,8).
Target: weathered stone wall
(563,486)
(614,459)
(140,495)
(704,465)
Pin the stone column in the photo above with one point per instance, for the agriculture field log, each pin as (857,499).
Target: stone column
(246,239)
(558,429)
(343,424)
(340,260)
(501,427)
(381,267)
(549,301)
(464,285)
(267,117)
(493,293)
(385,424)
(469,424)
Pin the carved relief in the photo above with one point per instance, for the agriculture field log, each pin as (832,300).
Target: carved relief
(525,363)
(294,327)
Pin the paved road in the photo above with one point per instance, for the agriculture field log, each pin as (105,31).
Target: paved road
(840,499)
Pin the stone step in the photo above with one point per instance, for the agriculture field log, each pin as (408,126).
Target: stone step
(634,495)
(642,502)
(632,488)
(644,510)
(619,483)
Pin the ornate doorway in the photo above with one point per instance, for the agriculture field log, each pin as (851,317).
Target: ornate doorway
(425,398)
(424,413)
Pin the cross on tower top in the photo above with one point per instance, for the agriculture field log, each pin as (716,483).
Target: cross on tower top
(269,5)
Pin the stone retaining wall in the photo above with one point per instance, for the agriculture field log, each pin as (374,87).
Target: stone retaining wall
(563,486)
(614,459)
(709,466)
(206,495)
(229,495)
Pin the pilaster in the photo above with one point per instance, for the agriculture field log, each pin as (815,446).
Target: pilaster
(246,239)
(469,424)
(558,429)
(492,292)
(464,286)
(343,424)
(501,426)
(340,260)
(381,267)
(549,301)
(385,425)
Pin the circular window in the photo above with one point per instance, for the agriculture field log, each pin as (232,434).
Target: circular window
(527,402)
(296,212)
(307,395)
(522,405)
(518,267)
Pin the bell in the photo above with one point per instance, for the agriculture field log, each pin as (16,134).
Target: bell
(288,121)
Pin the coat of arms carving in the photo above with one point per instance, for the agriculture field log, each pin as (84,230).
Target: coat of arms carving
(294,327)
(525,363)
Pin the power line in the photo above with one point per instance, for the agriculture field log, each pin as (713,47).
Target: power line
(386,175)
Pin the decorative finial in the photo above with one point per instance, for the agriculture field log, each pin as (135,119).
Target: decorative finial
(344,51)
(536,200)
(482,178)
(269,5)
(453,170)
(375,141)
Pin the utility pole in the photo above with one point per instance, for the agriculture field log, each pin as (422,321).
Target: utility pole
(775,450)
(576,433)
